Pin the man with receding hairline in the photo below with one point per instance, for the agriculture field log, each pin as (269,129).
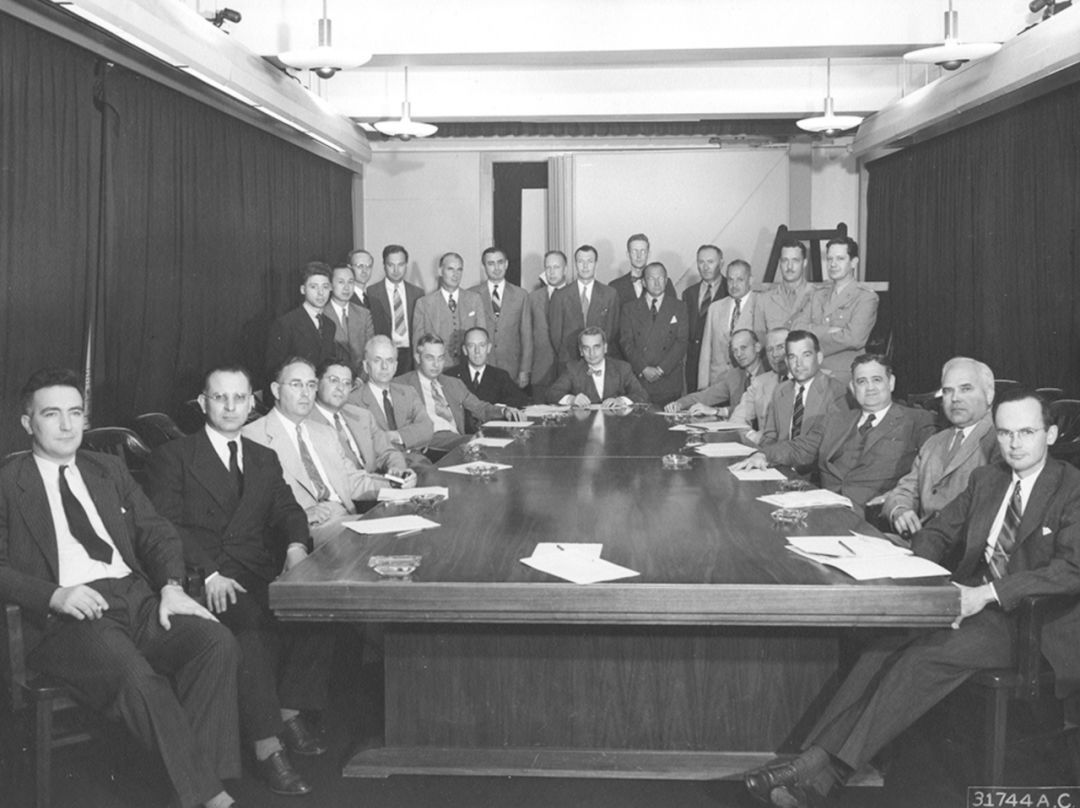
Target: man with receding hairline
(449,311)
(736,311)
(653,333)
(698,297)
(543,366)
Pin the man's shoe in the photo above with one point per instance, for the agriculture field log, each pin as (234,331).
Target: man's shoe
(300,740)
(760,782)
(280,777)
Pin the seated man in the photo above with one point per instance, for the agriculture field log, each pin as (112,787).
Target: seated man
(487,382)
(746,351)
(860,453)
(446,399)
(1016,530)
(944,463)
(99,576)
(597,378)
(312,461)
(754,405)
(239,523)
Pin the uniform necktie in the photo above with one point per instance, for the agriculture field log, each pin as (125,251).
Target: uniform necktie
(1006,540)
(388,408)
(653,308)
(735,312)
(797,412)
(452,304)
(442,406)
(343,439)
(79,524)
(399,312)
(234,468)
(585,306)
(496,306)
(322,493)
(706,301)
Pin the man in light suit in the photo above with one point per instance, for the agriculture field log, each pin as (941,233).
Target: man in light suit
(597,378)
(725,317)
(509,318)
(352,322)
(631,286)
(240,523)
(843,312)
(653,332)
(312,461)
(746,350)
(542,372)
(698,297)
(946,460)
(860,453)
(585,303)
(753,407)
(99,576)
(305,331)
(396,407)
(485,381)
(449,311)
(446,399)
(393,304)
(1016,530)
(787,304)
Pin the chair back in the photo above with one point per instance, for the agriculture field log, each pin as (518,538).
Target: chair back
(1066,415)
(120,442)
(156,428)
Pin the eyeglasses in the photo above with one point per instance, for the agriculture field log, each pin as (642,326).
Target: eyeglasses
(337,381)
(237,399)
(1025,434)
(299,386)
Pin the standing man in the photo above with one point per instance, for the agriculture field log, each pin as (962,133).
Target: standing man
(393,302)
(596,378)
(239,523)
(305,331)
(737,310)
(653,333)
(746,351)
(509,317)
(843,312)
(631,286)
(698,298)
(787,304)
(485,381)
(396,407)
(543,364)
(586,303)
(352,322)
(99,576)
(361,263)
(449,311)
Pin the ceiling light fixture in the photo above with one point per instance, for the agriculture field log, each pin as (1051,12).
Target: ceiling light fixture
(405,128)
(829,123)
(326,59)
(954,52)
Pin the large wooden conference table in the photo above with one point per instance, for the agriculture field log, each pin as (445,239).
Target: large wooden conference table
(719,653)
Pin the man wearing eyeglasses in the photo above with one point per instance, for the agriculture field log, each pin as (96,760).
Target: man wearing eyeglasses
(1016,530)
(241,525)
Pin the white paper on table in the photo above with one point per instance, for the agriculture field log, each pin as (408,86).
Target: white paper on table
(854,545)
(724,450)
(585,548)
(577,567)
(405,494)
(683,428)
(507,424)
(463,468)
(719,426)
(391,524)
(867,569)
(540,410)
(757,475)
(493,443)
(817,498)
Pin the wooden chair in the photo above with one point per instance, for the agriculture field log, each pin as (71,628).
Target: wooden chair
(123,443)
(156,428)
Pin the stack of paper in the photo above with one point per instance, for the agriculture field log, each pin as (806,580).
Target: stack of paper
(757,475)
(540,410)
(492,443)
(864,557)
(577,563)
(410,523)
(719,426)
(816,498)
(724,450)
(505,424)
(406,494)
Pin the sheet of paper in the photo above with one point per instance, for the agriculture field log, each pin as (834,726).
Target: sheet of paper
(464,468)
(868,569)
(590,549)
(719,426)
(818,498)
(493,443)
(577,567)
(405,494)
(724,450)
(848,546)
(507,424)
(757,475)
(391,524)
(540,410)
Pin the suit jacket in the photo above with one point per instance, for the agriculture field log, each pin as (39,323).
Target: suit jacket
(754,403)
(729,390)
(1045,561)
(413,422)
(376,450)
(496,386)
(889,451)
(347,481)
(222,531)
(511,332)
(714,359)
(777,310)
(29,563)
(853,312)
(433,316)
(825,395)
(294,334)
(352,340)
(624,288)
(459,398)
(656,342)
(692,298)
(619,380)
(543,357)
(565,322)
(382,310)
(932,484)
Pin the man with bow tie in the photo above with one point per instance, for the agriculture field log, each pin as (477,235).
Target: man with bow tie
(597,378)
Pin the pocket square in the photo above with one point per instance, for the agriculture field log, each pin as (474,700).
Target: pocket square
(472,314)
(124,510)
(1046,531)
(674,319)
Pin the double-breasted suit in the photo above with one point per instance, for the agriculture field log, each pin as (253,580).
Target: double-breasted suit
(542,372)
(656,341)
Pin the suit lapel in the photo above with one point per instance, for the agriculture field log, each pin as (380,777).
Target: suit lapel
(833,450)
(892,421)
(1035,508)
(277,440)
(210,472)
(34,506)
(103,492)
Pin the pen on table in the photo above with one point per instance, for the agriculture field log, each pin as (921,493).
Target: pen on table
(408,532)
(846,547)
(560,547)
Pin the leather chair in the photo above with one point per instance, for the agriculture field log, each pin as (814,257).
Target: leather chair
(1066,415)
(123,443)
(156,428)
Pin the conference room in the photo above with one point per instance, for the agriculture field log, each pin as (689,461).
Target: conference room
(172,169)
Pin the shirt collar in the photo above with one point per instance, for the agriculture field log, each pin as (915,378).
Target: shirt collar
(879,416)
(447,295)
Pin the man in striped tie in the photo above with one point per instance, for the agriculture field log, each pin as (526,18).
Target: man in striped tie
(1016,530)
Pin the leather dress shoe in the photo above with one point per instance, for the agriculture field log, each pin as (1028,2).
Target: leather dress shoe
(300,740)
(776,774)
(280,777)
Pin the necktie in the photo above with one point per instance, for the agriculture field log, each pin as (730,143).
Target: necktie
(343,439)
(345,319)
(1006,540)
(388,408)
(363,298)
(234,469)
(79,524)
(639,286)
(476,378)
(585,305)
(653,308)
(797,412)
(735,312)
(867,425)
(706,301)
(954,446)
(322,493)
(452,304)
(399,312)
(442,406)
(495,303)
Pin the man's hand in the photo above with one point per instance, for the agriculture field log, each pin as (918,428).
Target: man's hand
(318,513)
(408,478)
(906,521)
(752,436)
(697,408)
(672,407)
(512,413)
(523,379)
(755,461)
(616,402)
(580,400)
(294,554)
(80,601)
(175,601)
(973,599)
(395,437)
(651,374)
(220,592)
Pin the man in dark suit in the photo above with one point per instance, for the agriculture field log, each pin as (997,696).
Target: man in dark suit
(305,331)
(860,453)
(487,382)
(597,378)
(99,576)
(542,372)
(1016,530)
(361,262)
(698,298)
(587,302)
(352,322)
(240,523)
(653,332)
(392,304)
(631,286)
(509,318)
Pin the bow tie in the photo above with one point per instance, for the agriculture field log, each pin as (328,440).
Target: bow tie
(596,371)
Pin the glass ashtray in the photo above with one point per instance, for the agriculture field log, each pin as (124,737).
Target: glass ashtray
(473,451)
(394,566)
(483,471)
(794,485)
(426,502)
(789,516)
(675,461)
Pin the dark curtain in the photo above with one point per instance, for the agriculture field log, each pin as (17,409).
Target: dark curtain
(202,225)
(978,234)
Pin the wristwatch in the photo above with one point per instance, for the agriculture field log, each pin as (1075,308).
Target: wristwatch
(174,582)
